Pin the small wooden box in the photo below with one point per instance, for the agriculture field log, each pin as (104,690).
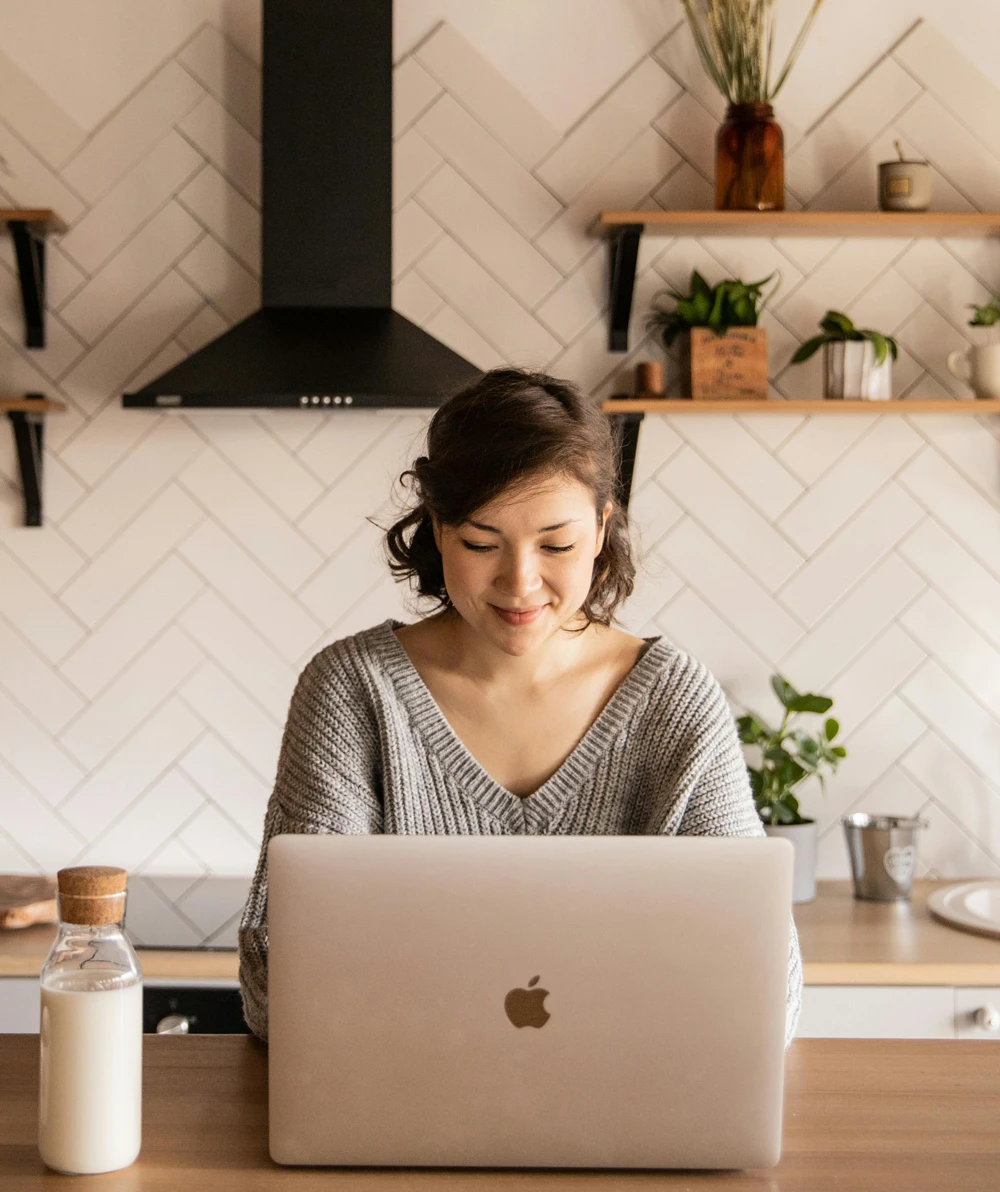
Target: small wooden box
(726,367)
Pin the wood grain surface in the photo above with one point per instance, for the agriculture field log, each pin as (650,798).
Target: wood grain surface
(804,223)
(27,899)
(864,1115)
(818,405)
(729,367)
(844,942)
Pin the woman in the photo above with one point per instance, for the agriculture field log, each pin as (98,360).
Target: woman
(516,707)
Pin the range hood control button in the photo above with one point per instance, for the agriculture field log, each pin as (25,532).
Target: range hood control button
(337,400)
(348,400)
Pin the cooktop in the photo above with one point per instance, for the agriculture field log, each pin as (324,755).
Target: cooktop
(184,912)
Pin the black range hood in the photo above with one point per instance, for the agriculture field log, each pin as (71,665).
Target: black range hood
(326,335)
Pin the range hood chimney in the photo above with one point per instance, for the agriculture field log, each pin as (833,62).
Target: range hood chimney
(326,335)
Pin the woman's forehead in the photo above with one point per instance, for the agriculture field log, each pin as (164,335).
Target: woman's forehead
(548,492)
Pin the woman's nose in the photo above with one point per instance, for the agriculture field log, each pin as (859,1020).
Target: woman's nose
(519,573)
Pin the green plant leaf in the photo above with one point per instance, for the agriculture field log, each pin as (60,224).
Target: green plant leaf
(752,730)
(837,324)
(789,773)
(839,750)
(810,703)
(783,690)
(812,346)
(881,345)
(785,810)
(807,746)
(831,728)
(985,316)
(700,286)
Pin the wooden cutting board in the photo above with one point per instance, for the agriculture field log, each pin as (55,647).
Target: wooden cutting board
(27,899)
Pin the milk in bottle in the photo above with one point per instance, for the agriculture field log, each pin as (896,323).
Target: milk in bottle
(90,1094)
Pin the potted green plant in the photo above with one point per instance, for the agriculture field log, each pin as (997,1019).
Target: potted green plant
(858,361)
(979,367)
(789,755)
(735,39)
(723,350)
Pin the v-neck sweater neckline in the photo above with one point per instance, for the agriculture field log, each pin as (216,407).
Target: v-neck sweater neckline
(542,805)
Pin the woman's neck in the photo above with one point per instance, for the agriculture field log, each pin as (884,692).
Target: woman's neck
(462,649)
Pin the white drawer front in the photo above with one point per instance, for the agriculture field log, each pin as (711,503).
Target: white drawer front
(19,1005)
(967,1003)
(877,1012)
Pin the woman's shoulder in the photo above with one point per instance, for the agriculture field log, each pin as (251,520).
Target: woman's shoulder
(351,661)
(684,693)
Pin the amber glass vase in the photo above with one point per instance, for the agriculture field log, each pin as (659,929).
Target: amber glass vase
(750,160)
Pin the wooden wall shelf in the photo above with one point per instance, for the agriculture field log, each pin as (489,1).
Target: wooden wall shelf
(31,405)
(778,406)
(805,223)
(41,217)
(27,416)
(624,229)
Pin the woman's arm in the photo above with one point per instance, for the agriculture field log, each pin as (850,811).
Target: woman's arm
(327,781)
(720,803)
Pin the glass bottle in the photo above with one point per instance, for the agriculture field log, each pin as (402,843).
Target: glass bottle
(750,160)
(90,1089)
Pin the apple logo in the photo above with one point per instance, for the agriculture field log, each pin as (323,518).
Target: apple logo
(524,1006)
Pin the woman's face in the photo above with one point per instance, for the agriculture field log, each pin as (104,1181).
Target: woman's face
(520,568)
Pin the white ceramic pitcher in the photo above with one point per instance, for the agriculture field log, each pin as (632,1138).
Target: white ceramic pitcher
(979,368)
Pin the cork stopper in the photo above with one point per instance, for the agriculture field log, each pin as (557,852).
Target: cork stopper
(92,894)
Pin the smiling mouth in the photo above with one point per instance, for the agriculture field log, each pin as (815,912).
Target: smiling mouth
(518,616)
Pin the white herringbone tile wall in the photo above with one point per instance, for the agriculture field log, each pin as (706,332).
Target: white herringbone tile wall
(151,633)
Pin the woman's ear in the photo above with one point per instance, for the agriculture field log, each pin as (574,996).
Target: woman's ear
(436,528)
(604,525)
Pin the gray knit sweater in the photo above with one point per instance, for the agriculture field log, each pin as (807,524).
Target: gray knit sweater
(367,749)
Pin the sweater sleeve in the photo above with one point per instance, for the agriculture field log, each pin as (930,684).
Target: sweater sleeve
(721,804)
(327,781)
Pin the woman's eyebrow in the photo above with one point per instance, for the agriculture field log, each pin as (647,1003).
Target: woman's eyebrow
(544,530)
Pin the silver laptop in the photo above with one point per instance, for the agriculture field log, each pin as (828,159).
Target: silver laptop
(527,1001)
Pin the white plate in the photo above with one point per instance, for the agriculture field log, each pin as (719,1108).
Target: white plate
(973,906)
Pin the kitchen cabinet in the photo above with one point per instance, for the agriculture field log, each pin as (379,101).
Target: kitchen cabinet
(19,1006)
(898,1012)
(196,1006)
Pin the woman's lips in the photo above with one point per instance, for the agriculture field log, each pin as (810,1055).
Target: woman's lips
(519,616)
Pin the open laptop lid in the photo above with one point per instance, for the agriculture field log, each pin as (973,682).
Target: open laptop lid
(396,1037)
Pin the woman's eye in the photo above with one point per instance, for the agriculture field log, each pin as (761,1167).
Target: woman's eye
(480,547)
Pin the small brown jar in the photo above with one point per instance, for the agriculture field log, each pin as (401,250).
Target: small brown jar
(750,160)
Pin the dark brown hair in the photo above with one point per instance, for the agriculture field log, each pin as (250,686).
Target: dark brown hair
(511,426)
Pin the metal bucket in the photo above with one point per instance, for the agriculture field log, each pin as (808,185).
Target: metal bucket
(883,852)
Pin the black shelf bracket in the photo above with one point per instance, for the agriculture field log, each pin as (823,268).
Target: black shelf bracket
(29,247)
(626,430)
(28,427)
(623,247)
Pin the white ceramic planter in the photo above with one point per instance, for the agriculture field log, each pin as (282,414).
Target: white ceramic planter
(803,838)
(851,372)
(979,368)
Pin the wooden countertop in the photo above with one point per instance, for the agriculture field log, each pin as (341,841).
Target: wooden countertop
(844,942)
(847,941)
(868,1115)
